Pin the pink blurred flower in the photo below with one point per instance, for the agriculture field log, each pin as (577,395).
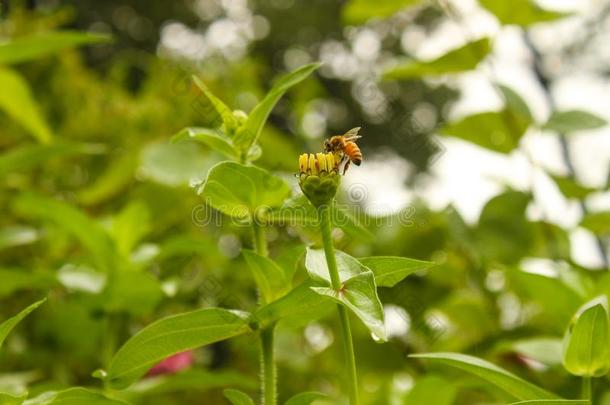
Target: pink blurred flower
(173,364)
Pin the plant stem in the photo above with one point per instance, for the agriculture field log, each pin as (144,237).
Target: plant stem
(267,368)
(586,388)
(346,333)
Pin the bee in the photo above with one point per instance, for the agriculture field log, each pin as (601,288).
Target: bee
(346,148)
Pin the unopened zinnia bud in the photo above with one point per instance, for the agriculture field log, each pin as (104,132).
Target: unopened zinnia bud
(319,177)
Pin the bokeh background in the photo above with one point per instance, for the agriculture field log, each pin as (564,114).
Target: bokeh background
(485,149)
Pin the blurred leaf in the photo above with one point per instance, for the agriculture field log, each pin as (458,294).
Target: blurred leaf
(359,11)
(21,279)
(196,380)
(491,373)
(497,131)
(586,342)
(18,235)
(550,241)
(118,174)
(520,12)
(29,156)
(73,396)
(134,292)
(431,389)
(517,106)
(7,326)
(544,350)
(247,135)
(504,234)
(223,113)
(237,397)
(171,335)
(173,164)
(458,60)
(597,222)
(88,232)
(571,189)
(10,399)
(556,300)
(40,44)
(574,120)
(295,309)
(390,270)
(212,138)
(239,191)
(17,101)
(358,290)
(130,225)
(305,398)
(554,402)
(269,277)
(343,218)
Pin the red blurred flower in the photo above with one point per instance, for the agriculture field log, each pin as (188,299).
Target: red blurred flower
(173,364)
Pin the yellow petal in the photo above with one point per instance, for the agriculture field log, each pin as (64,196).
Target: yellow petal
(330,161)
(312,164)
(303,162)
(321,162)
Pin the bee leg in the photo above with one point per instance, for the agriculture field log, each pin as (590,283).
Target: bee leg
(346,166)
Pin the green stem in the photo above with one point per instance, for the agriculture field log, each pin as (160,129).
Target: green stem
(267,368)
(586,388)
(346,333)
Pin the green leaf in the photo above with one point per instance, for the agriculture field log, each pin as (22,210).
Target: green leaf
(171,335)
(20,279)
(546,350)
(117,176)
(17,101)
(133,292)
(75,222)
(491,373)
(29,156)
(305,398)
(10,399)
(130,225)
(359,11)
(173,165)
(41,44)
(73,396)
(586,345)
(212,138)
(269,277)
(431,389)
(390,270)
(239,191)
(237,397)
(573,120)
(498,131)
(458,60)
(295,309)
(223,113)
(517,106)
(520,12)
(554,402)
(571,189)
(597,222)
(358,292)
(247,135)
(343,218)
(7,326)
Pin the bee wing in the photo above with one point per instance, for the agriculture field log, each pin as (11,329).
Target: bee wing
(352,134)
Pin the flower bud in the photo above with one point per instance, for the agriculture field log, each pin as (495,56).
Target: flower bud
(319,177)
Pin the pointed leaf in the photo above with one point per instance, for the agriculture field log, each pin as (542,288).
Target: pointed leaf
(239,191)
(431,389)
(238,397)
(491,373)
(247,135)
(212,138)
(574,120)
(571,189)
(359,11)
(270,278)
(305,398)
(586,345)
(390,270)
(11,399)
(7,326)
(172,335)
(462,59)
(520,12)
(41,44)
(17,101)
(554,402)
(222,111)
(358,292)
(597,222)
